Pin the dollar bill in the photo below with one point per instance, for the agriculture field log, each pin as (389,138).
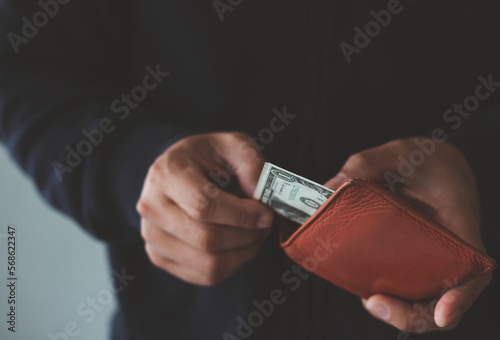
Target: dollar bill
(289,194)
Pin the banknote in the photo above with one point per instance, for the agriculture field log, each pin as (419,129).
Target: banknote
(289,194)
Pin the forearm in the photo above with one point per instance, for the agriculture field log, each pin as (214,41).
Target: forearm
(57,117)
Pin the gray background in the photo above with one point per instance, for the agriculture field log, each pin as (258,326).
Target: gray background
(58,265)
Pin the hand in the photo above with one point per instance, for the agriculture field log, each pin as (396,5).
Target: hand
(196,230)
(442,184)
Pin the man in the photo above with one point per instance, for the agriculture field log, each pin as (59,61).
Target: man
(172,107)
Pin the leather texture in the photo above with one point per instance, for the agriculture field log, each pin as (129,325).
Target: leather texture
(369,240)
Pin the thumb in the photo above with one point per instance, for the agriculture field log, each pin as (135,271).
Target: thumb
(245,160)
(335,182)
(371,164)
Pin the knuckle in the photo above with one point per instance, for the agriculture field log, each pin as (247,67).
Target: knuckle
(201,206)
(242,218)
(155,259)
(207,242)
(399,146)
(155,170)
(157,174)
(156,167)
(143,208)
(360,160)
(396,143)
(145,231)
(174,161)
(233,137)
(212,267)
(149,232)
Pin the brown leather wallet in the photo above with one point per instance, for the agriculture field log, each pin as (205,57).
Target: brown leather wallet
(368,240)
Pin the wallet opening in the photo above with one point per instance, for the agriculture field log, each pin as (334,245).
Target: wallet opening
(287,228)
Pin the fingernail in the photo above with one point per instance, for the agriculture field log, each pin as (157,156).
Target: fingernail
(379,310)
(340,177)
(337,181)
(265,221)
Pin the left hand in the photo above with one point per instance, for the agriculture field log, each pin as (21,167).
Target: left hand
(441,183)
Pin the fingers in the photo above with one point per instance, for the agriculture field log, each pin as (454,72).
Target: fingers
(204,202)
(192,225)
(459,299)
(441,183)
(408,317)
(190,264)
(207,237)
(244,160)
(427,316)
(371,163)
(182,272)
(335,182)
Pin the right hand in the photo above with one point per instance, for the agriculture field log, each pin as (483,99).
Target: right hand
(193,229)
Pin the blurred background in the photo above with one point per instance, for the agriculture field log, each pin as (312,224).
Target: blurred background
(63,273)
